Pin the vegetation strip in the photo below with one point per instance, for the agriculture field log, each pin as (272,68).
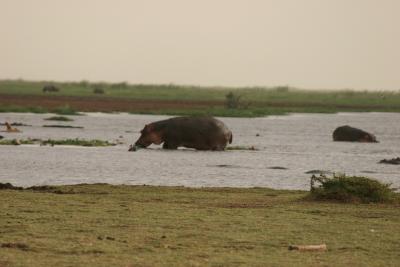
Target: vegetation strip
(26,96)
(71,142)
(62,126)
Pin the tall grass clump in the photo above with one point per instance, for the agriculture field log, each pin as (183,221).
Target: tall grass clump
(347,189)
(234,101)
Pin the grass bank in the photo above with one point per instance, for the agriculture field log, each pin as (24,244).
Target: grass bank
(53,142)
(188,100)
(104,225)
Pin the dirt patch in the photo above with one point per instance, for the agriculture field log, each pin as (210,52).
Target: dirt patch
(109,104)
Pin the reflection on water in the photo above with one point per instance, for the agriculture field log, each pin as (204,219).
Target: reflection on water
(288,147)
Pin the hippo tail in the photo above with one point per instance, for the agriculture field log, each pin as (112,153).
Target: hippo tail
(230,138)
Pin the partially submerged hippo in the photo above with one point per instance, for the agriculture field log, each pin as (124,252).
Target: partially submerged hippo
(201,133)
(347,133)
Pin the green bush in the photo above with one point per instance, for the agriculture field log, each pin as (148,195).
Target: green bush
(98,90)
(344,188)
(234,101)
(65,110)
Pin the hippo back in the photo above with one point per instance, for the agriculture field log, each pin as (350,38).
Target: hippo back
(206,133)
(348,133)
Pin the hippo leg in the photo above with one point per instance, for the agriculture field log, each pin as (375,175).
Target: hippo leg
(170,145)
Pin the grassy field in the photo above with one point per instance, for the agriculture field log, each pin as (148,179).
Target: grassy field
(104,225)
(206,100)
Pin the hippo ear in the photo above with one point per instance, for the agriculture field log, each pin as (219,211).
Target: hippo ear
(150,127)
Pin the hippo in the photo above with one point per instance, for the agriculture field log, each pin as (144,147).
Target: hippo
(50,88)
(201,133)
(347,133)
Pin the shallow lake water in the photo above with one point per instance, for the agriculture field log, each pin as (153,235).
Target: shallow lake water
(295,143)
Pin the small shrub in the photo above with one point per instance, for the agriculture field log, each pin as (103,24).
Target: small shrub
(233,101)
(65,110)
(84,84)
(350,189)
(98,90)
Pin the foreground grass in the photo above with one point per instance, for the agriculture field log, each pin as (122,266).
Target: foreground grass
(254,101)
(104,225)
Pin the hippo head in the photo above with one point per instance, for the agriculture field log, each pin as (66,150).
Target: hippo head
(369,138)
(149,135)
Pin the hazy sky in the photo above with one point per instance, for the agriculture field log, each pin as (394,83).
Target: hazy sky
(301,43)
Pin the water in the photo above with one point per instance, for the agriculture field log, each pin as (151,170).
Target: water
(297,142)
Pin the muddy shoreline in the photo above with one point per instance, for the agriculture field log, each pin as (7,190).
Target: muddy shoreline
(104,104)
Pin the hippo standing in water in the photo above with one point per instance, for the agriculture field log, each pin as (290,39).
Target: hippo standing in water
(347,133)
(201,133)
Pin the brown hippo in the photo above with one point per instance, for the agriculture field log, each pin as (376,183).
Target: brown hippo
(50,88)
(347,133)
(201,133)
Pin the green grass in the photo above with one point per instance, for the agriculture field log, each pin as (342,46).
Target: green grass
(77,142)
(104,225)
(65,142)
(9,142)
(20,109)
(258,101)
